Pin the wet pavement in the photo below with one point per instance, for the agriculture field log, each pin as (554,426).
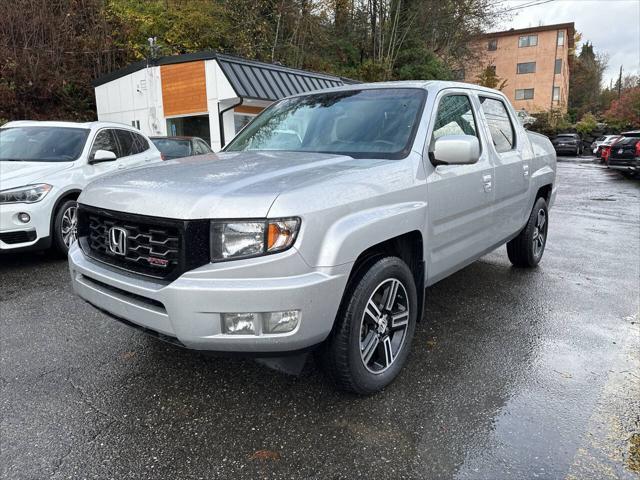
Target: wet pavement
(514,374)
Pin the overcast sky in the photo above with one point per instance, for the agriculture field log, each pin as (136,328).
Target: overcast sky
(613,26)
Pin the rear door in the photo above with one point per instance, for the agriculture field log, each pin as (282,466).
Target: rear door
(506,150)
(460,197)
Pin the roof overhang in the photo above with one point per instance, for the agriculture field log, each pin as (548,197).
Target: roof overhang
(249,78)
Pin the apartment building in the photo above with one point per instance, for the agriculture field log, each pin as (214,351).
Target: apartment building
(533,61)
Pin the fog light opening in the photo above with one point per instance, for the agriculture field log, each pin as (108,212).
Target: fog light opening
(24,217)
(258,323)
(281,322)
(239,323)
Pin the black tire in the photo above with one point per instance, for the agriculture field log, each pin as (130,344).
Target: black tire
(60,221)
(521,250)
(343,354)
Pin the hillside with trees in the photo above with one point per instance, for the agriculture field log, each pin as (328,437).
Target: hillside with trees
(51,50)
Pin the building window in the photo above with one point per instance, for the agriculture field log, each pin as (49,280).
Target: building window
(528,41)
(529,67)
(560,38)
(136,124)
(558,65)
(492,44)
(524,94)
(556,94)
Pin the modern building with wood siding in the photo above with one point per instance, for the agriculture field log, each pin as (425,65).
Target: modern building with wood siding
(535,62)
(205,94)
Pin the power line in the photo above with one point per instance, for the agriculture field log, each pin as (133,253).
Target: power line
(526,5)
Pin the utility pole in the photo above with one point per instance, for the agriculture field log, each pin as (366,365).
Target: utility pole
(620,83)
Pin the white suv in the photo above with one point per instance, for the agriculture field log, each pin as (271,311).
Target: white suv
(43,168)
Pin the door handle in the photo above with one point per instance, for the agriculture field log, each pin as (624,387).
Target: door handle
(120,167)
(525,169)
(486,180)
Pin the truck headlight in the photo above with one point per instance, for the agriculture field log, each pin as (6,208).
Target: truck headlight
(26,194)
(232,240)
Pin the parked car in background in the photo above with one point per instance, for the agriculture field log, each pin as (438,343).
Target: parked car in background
(625,154)
(178,147)
(44,166)
(567,143)
(603,141)
(319,225)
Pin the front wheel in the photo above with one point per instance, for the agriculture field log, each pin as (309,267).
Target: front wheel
(527,248)
(65,225)
(374,328)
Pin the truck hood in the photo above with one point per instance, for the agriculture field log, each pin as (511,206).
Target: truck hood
(17,174)
(224,185)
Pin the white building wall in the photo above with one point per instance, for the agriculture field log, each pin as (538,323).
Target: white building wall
(219,93)
(133,98)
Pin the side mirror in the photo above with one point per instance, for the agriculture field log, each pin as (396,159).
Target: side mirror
(103,156)
(456,150)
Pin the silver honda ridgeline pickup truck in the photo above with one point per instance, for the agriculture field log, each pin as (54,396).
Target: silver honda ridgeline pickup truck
(319,225)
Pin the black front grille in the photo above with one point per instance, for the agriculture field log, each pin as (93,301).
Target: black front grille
(18,237)
(156,247)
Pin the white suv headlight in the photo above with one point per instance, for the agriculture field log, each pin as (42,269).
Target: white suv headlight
(26,194)
(231,240)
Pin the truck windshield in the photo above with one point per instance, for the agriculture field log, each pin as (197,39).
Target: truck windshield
(42,144)
(376,123)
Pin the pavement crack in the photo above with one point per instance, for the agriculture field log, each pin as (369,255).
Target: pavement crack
(87,401)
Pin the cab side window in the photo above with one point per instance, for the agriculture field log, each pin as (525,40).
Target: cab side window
(140,144)
(125,138)
(454,117)
(104,140)
(500,126)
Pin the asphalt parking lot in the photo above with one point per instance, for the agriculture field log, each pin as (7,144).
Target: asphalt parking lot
(513,374)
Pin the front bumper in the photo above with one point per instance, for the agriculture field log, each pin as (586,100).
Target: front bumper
(189,308)
(20,236)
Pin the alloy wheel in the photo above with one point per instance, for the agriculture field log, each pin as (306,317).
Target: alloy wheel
(69,225)
(384,324)
(540,233)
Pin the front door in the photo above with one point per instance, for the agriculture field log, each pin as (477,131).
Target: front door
(105,139)
(460,197)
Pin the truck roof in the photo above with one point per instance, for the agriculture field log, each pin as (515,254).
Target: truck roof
(429,85)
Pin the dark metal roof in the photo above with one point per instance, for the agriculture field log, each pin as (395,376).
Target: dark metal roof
(265,81)
(249,78)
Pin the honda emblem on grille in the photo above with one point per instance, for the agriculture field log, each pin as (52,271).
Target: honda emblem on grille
(118,240)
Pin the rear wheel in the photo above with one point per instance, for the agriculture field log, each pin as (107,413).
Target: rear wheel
(65,225)
(527,248)
(374,328)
